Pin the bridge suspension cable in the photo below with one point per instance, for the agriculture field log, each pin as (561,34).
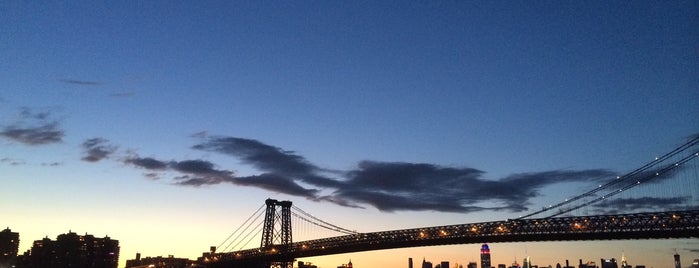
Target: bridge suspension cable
(632,179)
(242,230)
(305,216)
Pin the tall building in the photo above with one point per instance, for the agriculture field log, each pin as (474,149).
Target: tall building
(445,264)
(527,262)
(472,265)
(426,264)
(677,261)
(72,250)
(485,256)
(410,262)
(608,263)
(9,245)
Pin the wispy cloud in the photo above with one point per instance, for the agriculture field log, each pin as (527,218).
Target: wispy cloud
(80,82)
(124,94)
(97,149)
(12,161)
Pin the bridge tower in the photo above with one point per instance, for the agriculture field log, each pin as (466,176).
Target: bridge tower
(276,231)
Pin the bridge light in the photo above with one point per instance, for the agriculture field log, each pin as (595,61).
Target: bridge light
(474,229)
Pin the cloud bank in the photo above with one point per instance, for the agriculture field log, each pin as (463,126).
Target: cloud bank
(386,186)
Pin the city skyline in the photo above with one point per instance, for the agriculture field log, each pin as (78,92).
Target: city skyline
(166,124)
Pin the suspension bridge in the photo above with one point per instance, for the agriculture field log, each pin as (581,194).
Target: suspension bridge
(615,210)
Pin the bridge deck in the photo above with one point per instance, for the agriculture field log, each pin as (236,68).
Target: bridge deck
(677,224)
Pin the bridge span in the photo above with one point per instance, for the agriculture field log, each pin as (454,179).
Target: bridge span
(677,224)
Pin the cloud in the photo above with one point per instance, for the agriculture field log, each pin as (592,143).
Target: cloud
(38,135)
(97,149)
(124,94)
(200,173)
(146,163)
(420,186)
(33,128)
(389,186)
(268,159)
(12,161)
(80,82)
(627,205)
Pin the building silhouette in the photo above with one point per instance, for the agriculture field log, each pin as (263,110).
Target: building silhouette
(9,245)
(485,256)
(302,264)
(72,250)
(426,264)
(677,261)
(159,262)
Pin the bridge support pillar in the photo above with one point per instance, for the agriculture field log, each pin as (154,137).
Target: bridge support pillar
(276,231)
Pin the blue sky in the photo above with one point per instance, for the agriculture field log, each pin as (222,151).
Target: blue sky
(333,105)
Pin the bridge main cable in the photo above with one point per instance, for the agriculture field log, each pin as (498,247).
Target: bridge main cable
(320,223)
(627,177)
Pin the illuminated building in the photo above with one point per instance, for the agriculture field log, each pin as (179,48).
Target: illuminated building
(485,256)
(527,262)
(9,245)
(695,263)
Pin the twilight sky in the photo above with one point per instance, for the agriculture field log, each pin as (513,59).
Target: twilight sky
(166,124)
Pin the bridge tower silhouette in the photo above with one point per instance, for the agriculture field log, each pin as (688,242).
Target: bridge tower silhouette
(276,231)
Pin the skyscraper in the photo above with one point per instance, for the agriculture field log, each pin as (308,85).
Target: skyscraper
(677,261)
(485,256)
(410,262)
(9,244)
(527,262)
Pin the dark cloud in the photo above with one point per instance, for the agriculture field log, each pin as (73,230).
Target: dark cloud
(33,128)
(200,173)
(80,82)
(420,186)
(626,205)
(198,167)
(277,184)
(36,135)
(146,163)
(97,149)
(389,186)
(269,159)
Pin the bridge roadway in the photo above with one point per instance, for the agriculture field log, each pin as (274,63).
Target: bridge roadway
(660,225)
